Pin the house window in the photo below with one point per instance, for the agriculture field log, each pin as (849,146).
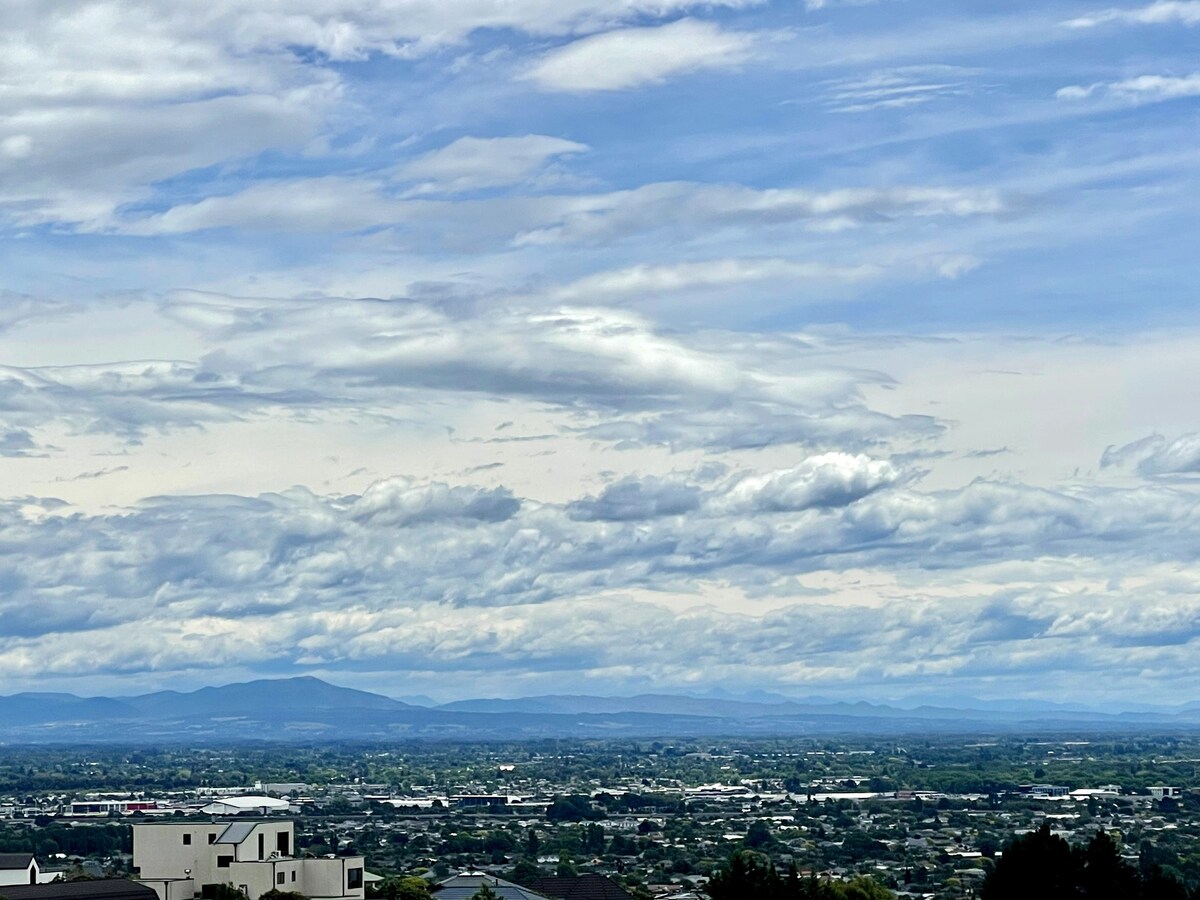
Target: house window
(187,839)
(293,874)
(354,879)
(262,846)
(279,878)
(283,843)
(224,861)
(212,838)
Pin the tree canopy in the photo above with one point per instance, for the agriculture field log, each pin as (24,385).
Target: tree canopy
(1041,865)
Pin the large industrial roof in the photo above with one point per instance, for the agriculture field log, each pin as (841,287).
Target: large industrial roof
(234,805)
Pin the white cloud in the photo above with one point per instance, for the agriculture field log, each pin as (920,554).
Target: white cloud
(98,101)
(472,162)
(611,374)
(91,159)
(688,210)
(1155,455)
(683,207)
(831,479)
(325,204)
(988,583)
(648,281)
(898,88)
(1143,88)
(630,57)
(717,273)
(1161,12)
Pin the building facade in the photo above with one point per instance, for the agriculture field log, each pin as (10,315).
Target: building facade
(181,860)
(22,869)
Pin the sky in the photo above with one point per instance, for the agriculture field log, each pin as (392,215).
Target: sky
(506,347)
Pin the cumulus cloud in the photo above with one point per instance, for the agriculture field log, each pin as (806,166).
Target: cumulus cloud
(629,57)
(400,502)
(639,498)
(825,480)
(1161,12)
(486,581)
(1155,455)
(831,479)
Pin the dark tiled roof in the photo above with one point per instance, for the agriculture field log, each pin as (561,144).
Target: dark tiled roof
(464,886)
(15,860)
(581,887)
(100,889)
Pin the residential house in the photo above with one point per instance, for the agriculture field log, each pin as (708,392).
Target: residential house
(22,868)
(181,860)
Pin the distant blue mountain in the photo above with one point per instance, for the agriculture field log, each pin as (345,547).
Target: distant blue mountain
(309,709)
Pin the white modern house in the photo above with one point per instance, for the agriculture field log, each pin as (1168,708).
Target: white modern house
(180,860)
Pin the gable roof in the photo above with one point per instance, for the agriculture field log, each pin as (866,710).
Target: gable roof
(464,886)
(589,886)
(15,860)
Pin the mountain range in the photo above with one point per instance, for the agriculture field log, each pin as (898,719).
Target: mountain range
(307,709)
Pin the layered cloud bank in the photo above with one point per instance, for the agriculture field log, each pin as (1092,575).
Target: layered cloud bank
(752,577)
(600,345)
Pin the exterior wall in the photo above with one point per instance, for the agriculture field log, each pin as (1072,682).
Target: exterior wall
(28,875)
(310,877)
(172,888)
(253,850)
(327,877)
(159,850)
(164,861)
(254,878)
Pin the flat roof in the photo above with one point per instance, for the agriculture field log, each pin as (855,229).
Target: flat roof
(102,889)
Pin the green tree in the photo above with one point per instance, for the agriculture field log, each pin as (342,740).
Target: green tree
(758,835)
(1036,865)
(275,894)
(745,874)
(525,872)
(861,888)
(410,887)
